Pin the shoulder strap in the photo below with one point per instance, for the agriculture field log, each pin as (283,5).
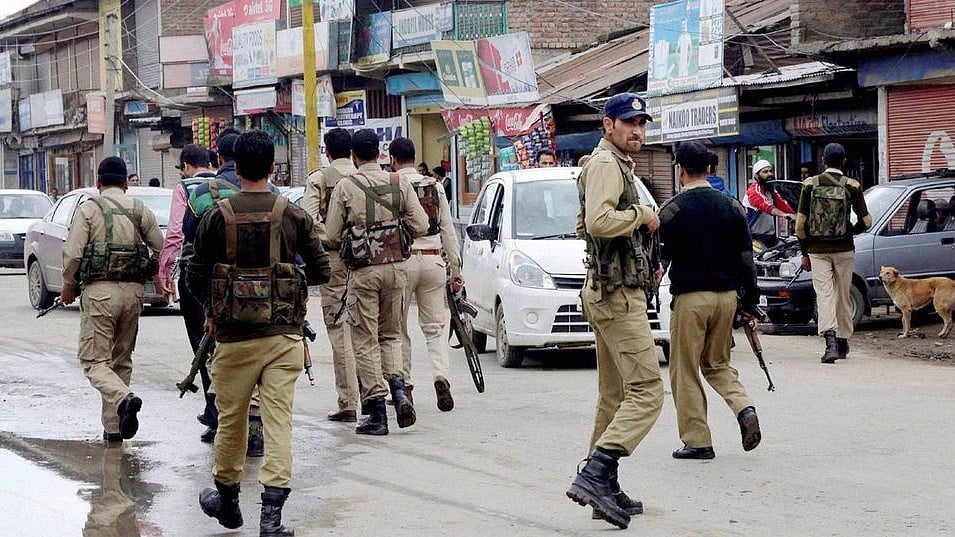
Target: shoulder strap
(107,216)
(372,197)
(135,216)
(815,182)
(273,217)
(275,229)
(231,229)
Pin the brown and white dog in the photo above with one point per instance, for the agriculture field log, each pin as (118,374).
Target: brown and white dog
(911,294)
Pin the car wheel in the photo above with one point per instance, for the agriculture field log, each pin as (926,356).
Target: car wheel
(507,355)
(857,302)
(40,297)
(480,340)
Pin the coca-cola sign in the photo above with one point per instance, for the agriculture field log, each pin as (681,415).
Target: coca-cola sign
(504,121)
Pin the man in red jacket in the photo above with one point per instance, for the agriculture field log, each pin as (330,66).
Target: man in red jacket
(763,204)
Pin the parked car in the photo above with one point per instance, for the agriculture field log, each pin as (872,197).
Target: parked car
(18,209)
(523,265)
(43,247)
(913,230)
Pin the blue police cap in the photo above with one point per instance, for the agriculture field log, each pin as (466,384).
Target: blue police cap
(626,106)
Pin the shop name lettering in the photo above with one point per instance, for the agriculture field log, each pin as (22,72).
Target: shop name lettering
(692,118)
(262,7)
(415,25)
(829,123)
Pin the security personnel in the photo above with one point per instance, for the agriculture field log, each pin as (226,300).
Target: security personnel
(371,215)
(318,191)
(706,239)
(432,258)
(614,299)
(243,271)
(105,251)
(825,233)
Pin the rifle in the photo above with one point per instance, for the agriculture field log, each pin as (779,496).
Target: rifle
(796,275)
(651,244)
(206,344)
(310,335)
(751,327)
(57,303)
(461,327)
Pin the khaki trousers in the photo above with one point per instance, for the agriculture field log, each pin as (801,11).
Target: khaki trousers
(427,278)
(274,362)
(109,322)
(701,332)
(375,307)
(339,335)
(630,390)
(832,281)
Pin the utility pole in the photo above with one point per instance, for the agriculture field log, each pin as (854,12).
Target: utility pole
(311,99)
(110,39)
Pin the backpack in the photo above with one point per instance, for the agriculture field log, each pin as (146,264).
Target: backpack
(829,211)
(219,189)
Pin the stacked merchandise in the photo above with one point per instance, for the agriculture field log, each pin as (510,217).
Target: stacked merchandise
(205,130)
(476,142)
(542,136)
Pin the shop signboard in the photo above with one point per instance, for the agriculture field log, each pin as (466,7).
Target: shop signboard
(255,101)
(371,39)
(218,29)
(249,11)
(507,69)
(686,46)
(349,109)
(6,110)
(332,10)
(324,94)
(691,116)
(416,26)
(838,123)
(387,128)
(6,68)
(504,121)
(46,109)
(459,72)
(290,50)
(253,61)
(96,113)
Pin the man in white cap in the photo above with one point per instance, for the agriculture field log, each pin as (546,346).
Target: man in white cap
(763,204)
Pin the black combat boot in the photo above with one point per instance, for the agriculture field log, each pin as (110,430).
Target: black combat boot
(271,522)
(625,502)
(256,445)
(376,424)
(128,408)
(222,504)
(842,344)
(403,406)
(832,350)
(592,486)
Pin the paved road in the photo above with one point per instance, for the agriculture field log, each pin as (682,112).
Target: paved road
(862,448)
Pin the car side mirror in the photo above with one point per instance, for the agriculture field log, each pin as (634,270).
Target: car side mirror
(480,232)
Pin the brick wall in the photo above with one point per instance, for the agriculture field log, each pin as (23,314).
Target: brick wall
(555,25)
(822,20)
(185,17)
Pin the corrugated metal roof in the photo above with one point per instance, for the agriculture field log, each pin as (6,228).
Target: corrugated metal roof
(787,73)
(595,70)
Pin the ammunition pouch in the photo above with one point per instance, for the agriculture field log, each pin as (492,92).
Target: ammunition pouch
(428,196)
(118,262)
(378,243)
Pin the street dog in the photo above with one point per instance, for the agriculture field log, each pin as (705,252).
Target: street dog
(911,294)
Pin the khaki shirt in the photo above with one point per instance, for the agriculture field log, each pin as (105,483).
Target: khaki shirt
(317,188)
(602,182)
(347,205)
(89,226)
(447,239)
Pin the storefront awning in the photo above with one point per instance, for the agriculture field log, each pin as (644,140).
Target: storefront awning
(768,132)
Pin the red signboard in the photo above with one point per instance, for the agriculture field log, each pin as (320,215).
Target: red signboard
(249,11)
(504,121)
(218,25)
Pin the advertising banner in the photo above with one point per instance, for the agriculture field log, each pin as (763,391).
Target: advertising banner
(290,50)
(6,110)
(690,116)
(459,72)
(349,109)
(46,109)
(507,69)
(249,11)
(388,129)
(96,113)
(253,61)
(255,101)
(686,46)
(324,94)
(332,10)
(371,39)
(218,28)
(504,121)
(416,26)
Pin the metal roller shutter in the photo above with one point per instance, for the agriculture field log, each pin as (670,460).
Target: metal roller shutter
(921,128)
(150,161)
(929,14)
(654,166)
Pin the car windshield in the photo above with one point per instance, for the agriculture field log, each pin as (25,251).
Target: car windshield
(880,198)
(159,205)
(24,205)
(545,209)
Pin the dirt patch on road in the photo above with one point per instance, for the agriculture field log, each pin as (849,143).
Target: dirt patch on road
(879,335)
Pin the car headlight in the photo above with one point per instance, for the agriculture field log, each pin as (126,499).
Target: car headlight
(787,269)
(526,273)
(6,236)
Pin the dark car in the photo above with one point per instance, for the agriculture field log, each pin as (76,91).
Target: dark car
(43,247)
(913,230)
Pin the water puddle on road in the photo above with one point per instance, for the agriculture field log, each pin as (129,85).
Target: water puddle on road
(36,501)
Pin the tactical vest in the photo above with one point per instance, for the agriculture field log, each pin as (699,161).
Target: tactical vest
(428,196)
(377,242)
(330,177)
(617,261)
(118,262)
(219,189)
(272,295)
(829,210)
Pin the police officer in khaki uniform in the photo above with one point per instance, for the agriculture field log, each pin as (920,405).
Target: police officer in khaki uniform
(428,272)
(318,191)
(704,235)
(614,299)
(111,227)
(371,214)
(244,273)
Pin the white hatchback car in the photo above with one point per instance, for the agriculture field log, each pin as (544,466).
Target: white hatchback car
(523,265)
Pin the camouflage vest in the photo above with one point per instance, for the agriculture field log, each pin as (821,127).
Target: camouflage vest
(616,261)
(219,189)
(272,295)
(118,262)
(829,210)
(428,196)
(377,242)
